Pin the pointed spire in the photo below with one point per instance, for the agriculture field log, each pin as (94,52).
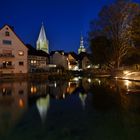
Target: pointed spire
(42,42)
(42,35)
(81,48)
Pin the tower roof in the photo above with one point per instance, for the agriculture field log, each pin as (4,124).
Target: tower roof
(42,34)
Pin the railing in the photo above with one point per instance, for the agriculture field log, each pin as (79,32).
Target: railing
(7,55)
(7,67)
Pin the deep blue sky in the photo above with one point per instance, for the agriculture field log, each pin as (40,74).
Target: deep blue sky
(64,20)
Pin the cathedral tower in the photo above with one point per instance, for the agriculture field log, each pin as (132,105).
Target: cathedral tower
(81,48)
(42,42)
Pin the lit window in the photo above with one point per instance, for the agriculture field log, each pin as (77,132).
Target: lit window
(32,61)
(21,53)
(7,42)
(21,63)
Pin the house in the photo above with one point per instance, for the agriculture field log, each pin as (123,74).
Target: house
(13,52)
(38,60)
(59,58)
(85,61)
(73,61)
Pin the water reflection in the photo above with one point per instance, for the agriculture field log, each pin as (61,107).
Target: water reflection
(43,104)
(13,103)
(84,102)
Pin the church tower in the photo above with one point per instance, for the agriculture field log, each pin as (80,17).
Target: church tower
(81,48)
(42,42)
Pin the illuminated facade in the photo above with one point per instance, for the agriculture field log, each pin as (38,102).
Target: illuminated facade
(13,52)
(81,48)
(59,58)
(42,42)
(38,60)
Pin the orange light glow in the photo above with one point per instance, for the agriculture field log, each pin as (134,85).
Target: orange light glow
(21,103)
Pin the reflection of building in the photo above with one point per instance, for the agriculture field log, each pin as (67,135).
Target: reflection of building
(72,87)
(38,89)
(13,103)
(42,42)
(37,59)
(13,52)
(83,99)
(43,106)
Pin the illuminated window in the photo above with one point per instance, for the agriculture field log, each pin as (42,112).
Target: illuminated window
(32,61)
(7,42)
(21,53)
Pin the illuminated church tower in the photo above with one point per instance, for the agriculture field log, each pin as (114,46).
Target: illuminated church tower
(81,48)
(42,42)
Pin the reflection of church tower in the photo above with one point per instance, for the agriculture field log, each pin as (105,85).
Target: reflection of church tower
(42,42)
(82,48)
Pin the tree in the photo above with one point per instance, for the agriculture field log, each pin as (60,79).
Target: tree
(101,49)
(136,30)
(115,22)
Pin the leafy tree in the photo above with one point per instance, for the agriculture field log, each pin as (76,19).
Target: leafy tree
(115,22)
(101,49)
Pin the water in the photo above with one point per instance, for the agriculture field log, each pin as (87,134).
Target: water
(79,109)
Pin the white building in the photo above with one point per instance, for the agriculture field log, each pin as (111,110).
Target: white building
(13,52)
(42,42)
(59,58)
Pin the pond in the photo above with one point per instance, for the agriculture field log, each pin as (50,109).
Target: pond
(78,109)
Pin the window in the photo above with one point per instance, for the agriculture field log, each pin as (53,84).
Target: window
(21,63)
(7,33)
(9,63)
(20,53)
(7,42)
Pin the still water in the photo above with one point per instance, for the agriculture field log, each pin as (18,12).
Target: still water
(78,109)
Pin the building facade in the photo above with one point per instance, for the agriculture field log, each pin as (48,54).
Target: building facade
(38,60)
(73,61)
(13,52)
(59,58)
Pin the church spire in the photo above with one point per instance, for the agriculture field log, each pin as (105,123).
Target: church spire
(42,42)
(81,48)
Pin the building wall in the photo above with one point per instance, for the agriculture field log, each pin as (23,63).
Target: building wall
(72,63)
(37,62)
(59,59)
(16,48)
(85,63)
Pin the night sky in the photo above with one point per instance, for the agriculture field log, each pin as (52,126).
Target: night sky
(64,20)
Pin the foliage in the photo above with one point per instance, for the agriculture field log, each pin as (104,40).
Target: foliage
(115,22)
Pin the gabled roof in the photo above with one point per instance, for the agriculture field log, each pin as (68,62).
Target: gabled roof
(74,55)
(57,51)
(33,51)
(12,28)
